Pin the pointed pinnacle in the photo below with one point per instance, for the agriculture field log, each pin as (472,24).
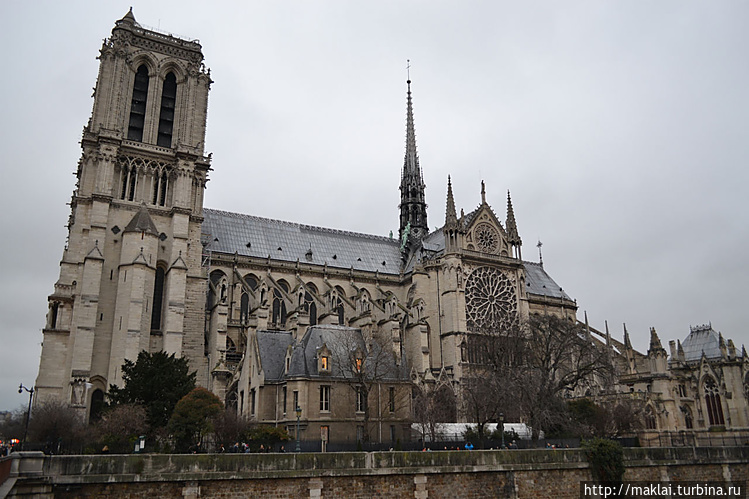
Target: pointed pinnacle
(451,216)
(512,228)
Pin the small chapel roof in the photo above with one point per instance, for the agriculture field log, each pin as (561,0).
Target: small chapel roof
(142,222)
(701,339)
(253,236)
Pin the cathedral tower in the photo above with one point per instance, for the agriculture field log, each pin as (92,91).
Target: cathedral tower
(130,275)
(413,206)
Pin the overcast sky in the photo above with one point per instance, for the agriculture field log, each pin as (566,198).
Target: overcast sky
(620,129)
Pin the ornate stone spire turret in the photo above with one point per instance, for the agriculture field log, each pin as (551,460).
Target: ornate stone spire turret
(655,341)
(451,216)
(413,207)
(656,353)
(629,352)
(680,352)
(453,228)
(513,237)
(627,342)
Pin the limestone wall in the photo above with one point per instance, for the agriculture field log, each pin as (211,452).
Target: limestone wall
(449,474)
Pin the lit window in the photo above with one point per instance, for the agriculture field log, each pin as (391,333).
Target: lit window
(324,365)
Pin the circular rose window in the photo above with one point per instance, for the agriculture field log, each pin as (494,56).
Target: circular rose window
(487,238)
(491,302)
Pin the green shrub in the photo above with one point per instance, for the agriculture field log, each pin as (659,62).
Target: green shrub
(606,459)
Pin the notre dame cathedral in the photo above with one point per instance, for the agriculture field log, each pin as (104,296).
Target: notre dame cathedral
(259,306)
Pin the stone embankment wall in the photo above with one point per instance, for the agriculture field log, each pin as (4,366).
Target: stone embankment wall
(449,474)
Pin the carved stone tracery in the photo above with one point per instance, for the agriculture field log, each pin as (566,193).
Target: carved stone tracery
(491,300)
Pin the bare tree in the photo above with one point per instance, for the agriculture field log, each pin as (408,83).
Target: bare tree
(527,371)
(493,376)
(560,359)
(433,405)
(119,428)
(229,428)
(58,426)
(364,362)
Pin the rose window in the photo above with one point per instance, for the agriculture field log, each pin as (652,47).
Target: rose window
(487,238)
(491,302)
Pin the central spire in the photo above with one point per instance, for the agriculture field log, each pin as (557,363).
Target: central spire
(413,208)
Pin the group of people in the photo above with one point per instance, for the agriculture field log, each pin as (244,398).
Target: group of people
(243,448)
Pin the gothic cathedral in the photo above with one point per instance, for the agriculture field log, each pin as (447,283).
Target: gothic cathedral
(258,306)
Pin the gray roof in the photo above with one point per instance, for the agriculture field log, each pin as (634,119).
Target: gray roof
(142,222)
(272,346)
(304,356)
(539,282)
(701,339)
(259,237)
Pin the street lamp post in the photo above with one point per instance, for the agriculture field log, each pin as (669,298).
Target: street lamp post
(30,391)
(298,417)
(502,428)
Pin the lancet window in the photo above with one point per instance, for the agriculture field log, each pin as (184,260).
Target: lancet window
(158,299)
(279,305)
(160,185)
(309,306)
(712,401)
(166,117)
(138,105)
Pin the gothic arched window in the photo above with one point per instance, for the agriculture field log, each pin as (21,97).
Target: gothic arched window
(650,422)
(279,305)
(310,307)
(244,306)
(338,305)
(158,298)
(138,105)
(688,420)
(216,289)
(166,117)
(712,401)
(97,405)
(129,179)
(160,184)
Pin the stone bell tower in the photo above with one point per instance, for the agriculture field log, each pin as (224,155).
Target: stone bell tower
(130,275)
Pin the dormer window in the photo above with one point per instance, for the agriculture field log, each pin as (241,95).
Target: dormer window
(323,360)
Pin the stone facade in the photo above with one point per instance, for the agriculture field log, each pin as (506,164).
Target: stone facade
(134,228)
(146,267)
(702,386)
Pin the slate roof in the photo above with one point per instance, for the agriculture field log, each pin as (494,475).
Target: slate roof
(142,222)
(272,346)
(538,282)
(259,237)
(304,356)
(701,339)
